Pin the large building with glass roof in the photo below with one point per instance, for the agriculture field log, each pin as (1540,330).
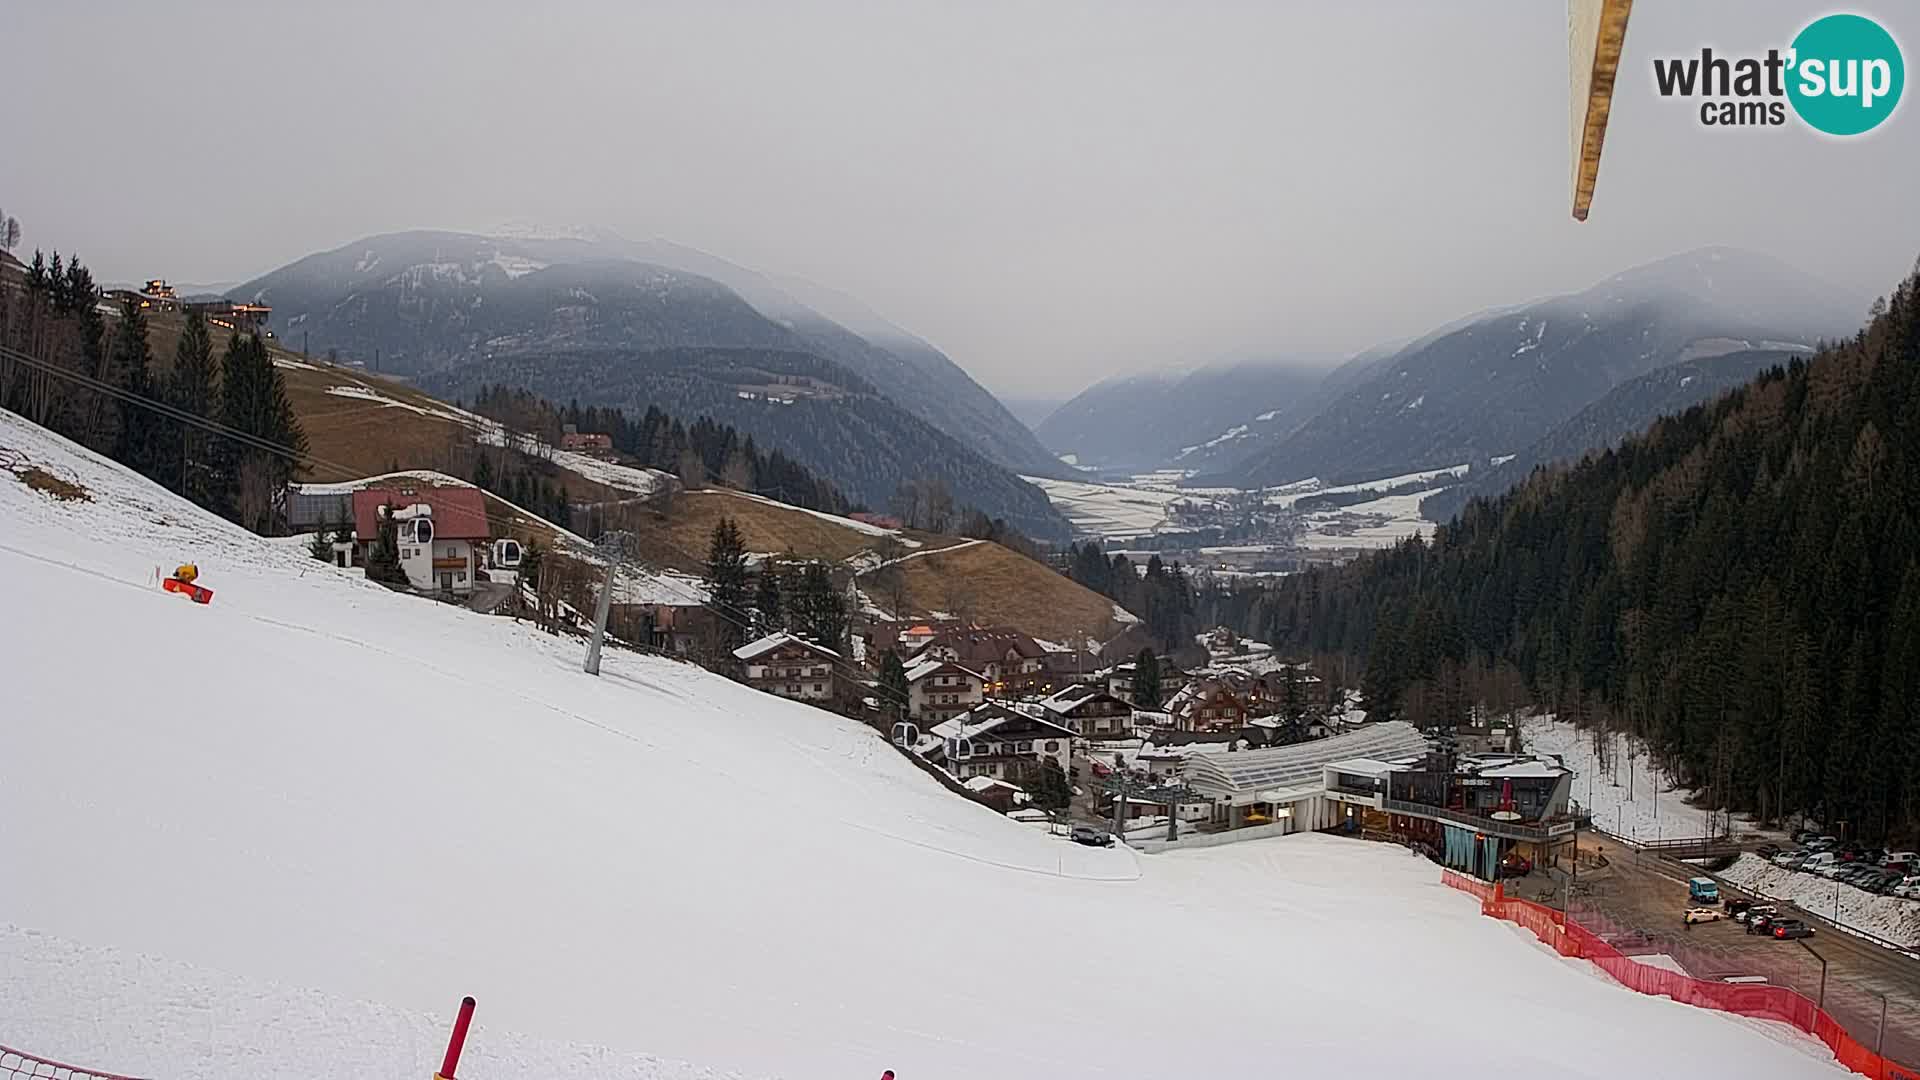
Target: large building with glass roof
(1286,786)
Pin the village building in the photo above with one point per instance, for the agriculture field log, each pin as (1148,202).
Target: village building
(438,532)
(1478,812)
(585,442)
(1066,667)
(1090,712)
(939,690)
(789,667)
(1012,662)
(995,741)
(1218,699)
(997,794)
(1284,789)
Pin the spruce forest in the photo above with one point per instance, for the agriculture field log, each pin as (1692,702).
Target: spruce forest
(1738,585)
(63,366)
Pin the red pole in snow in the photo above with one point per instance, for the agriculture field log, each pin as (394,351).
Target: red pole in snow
(459,1040)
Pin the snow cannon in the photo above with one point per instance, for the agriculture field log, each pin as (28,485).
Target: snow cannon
(184,580)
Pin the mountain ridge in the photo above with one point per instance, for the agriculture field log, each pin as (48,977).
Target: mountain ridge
(428,303)
(1499,382)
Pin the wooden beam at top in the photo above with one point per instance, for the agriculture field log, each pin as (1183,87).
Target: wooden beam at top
(1596,32)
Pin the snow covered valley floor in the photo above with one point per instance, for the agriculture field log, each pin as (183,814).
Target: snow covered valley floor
(282,834)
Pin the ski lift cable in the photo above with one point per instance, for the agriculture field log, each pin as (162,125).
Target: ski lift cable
(265,445)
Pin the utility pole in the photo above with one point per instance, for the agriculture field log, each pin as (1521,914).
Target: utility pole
(1822,1003)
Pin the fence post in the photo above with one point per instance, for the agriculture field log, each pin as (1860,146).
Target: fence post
(458,1041)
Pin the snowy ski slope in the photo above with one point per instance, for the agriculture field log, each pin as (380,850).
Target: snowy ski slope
(280,835)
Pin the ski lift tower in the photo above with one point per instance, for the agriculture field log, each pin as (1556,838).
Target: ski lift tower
(616,547)
(1126,788)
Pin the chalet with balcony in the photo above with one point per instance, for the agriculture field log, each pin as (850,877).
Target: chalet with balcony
(790,667)
(439,532)
(938,690)
(995,741)
(1090,712)
(1218,699)
(1012,663)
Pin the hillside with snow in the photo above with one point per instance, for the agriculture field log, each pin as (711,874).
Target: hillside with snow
(283,833)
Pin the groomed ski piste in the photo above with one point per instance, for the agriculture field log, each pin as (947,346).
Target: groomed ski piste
(283,833)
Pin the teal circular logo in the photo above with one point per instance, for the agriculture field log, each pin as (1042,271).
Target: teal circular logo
(1846,74)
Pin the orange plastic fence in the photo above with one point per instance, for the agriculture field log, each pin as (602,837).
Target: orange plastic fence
(1569,938)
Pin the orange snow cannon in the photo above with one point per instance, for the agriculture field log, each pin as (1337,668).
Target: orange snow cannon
(183,582)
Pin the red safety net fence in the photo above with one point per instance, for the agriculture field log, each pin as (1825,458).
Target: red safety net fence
(19,1065)
(1570,938)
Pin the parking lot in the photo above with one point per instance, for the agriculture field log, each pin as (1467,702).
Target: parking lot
(1645,895)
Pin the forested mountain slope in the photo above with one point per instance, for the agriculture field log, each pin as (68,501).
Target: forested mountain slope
(1498,384)
(426,300)
(1740,584)
(1626,410)
(812,410)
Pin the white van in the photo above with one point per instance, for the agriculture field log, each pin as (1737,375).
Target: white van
(1826,864)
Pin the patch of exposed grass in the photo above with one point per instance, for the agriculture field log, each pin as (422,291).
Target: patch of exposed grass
(40,479)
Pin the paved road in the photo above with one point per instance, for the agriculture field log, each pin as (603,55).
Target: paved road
(1649,893)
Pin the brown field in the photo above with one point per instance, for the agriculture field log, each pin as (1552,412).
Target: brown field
(991,585)
(688,527)
(350,438)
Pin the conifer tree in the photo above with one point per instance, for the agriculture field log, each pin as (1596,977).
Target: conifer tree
(893,686)
(137,438)
(767,613)
(726,581)
(1146,680)
(193,388)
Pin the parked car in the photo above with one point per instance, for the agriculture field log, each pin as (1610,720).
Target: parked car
(1762,924)
(1767,851)
(1626,939)
(1737,907)
(1754,911)
(1702,914)
(1823,843)
(1092,836)
(1825,863)
(1787,929)
(1792,860)
(1900,860)
(1100,768)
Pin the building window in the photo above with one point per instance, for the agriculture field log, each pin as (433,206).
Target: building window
(1026,748)
(1053,746)
(817,688)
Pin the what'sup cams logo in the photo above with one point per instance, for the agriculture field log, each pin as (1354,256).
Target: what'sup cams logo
(1842,76)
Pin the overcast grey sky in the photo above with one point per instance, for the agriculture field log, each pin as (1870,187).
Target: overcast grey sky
(1051,192)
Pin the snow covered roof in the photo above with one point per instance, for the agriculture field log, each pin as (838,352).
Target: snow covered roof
(987,783)
(920,669)
(986,718)
(459,513)
(1299,767)
(1361,767)
(771,642)
(1535,769)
